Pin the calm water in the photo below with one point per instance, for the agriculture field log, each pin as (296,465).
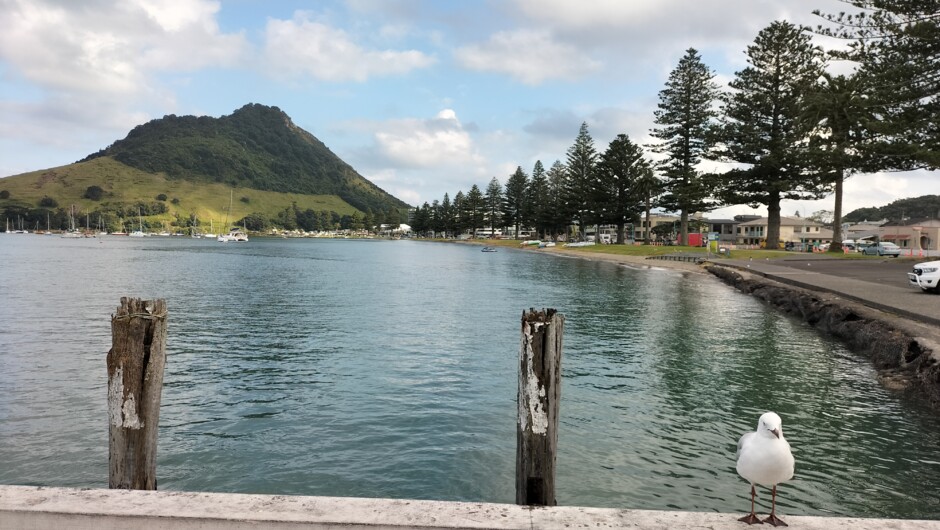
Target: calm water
(387,369)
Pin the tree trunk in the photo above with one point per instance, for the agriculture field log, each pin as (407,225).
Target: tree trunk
(836,245)
(684,227)
(773,222)
(621,239)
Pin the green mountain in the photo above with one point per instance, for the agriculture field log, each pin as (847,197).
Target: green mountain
(914,209)
(254,168)
(256,147)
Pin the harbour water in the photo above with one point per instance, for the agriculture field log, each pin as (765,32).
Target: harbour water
(387,369)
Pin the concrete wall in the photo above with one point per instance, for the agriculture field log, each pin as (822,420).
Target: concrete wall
(27,508)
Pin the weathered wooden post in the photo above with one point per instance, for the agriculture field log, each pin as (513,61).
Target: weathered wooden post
(539,396)
(135,381)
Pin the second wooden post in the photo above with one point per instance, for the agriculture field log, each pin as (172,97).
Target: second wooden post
(135,382)
(539,396)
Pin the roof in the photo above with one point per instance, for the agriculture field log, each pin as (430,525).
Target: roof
(784,221)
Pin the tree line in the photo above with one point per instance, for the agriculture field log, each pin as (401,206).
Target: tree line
(114,216)
(786,127)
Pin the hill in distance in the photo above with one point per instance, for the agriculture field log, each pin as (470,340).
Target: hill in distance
(193,166)
(913,209)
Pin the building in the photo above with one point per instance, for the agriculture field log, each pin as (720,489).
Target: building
(914,234)
(727,229)
(792,230)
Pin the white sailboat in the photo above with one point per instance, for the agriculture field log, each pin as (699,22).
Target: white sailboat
(211,234)
(73,232)
(235,234)
(140,227)
(101,230)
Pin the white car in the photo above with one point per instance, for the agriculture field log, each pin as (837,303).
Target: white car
(926,276)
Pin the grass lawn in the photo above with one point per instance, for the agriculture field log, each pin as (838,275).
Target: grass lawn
(655,250)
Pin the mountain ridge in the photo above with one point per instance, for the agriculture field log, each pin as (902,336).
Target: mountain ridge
(257,147)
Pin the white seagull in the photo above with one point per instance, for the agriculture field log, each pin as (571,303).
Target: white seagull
(764,458)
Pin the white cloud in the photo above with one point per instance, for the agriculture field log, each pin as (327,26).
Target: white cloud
(112,47)
(663,20)
(530,56)
(172,15)
(426,143)
(301,47)
(419,159)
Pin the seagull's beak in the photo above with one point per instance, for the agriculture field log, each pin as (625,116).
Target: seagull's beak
(776,432)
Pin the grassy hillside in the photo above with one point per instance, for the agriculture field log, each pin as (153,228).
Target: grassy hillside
(124,188)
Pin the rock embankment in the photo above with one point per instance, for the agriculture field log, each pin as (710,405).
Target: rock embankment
(906,353)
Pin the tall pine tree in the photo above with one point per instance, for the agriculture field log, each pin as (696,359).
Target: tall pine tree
(582,163)
(561,214)
(448,220)
(617,197)
(762,126)
(839,109)
(494,204)
(538,200)
(686,117)
(515,200)
(475,209)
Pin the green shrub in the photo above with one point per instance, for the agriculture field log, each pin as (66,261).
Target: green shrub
(94,193)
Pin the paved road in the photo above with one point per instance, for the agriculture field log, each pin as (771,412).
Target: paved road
(881,271)
(879,283)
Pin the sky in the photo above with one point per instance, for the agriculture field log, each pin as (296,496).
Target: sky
(422,97)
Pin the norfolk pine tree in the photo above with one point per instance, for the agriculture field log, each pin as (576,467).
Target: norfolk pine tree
(582,162)
(448,222)
(617,197)
(494,204)
(560,217)
(687,117)
(897,43)
(514,205)
(761,125)
(538,200)
(838,109)
(475,208)
(460,215)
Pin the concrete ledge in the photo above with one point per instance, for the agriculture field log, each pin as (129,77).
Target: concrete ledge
(26,508)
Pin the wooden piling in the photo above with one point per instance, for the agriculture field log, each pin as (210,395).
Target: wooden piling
(539,396)
(135,382)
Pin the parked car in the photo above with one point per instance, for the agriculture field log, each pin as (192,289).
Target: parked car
(883,249)
(926,276)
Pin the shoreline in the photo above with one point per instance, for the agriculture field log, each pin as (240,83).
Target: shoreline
(904,352)
(637,262)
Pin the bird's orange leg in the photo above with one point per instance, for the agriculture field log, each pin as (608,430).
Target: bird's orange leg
(751,518)
(772,518)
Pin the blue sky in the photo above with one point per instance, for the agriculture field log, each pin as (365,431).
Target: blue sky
(422,97)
